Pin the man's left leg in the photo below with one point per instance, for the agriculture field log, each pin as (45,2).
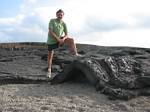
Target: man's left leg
(70,42)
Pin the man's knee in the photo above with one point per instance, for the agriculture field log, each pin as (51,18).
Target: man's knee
(71,40)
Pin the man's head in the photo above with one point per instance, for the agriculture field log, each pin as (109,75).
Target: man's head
(60,14)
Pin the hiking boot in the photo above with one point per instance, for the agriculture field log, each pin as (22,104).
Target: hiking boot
(78,55)
(48,75)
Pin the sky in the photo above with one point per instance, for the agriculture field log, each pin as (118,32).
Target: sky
(98,22)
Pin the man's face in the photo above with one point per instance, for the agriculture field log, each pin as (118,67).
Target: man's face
(60,15)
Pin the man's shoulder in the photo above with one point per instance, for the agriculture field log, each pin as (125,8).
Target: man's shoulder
(63,23)
(53,19)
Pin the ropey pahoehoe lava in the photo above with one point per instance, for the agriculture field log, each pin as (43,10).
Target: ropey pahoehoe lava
(118,72)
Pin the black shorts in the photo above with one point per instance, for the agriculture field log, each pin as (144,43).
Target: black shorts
(52,46)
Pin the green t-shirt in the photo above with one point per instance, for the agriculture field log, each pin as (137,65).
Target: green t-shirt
(58,27)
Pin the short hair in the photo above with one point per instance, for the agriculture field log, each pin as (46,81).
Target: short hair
(60,11)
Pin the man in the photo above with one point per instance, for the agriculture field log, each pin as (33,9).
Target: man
(57,27)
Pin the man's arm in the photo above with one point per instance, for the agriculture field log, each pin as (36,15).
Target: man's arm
(65,37)
(60,41)
(53,35)
(65,31)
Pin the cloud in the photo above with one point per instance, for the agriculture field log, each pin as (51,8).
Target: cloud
(119,37)
(142,21)
(99,25)
(109,22)
(128,37)
(11,20)
(26,26)
(22,28)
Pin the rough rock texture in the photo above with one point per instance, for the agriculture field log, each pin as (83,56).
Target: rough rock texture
(119,77)
(119,72)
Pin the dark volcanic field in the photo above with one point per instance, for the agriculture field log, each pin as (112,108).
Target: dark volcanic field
(99,81)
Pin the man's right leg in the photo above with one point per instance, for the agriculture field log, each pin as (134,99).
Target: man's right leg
(50,58)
